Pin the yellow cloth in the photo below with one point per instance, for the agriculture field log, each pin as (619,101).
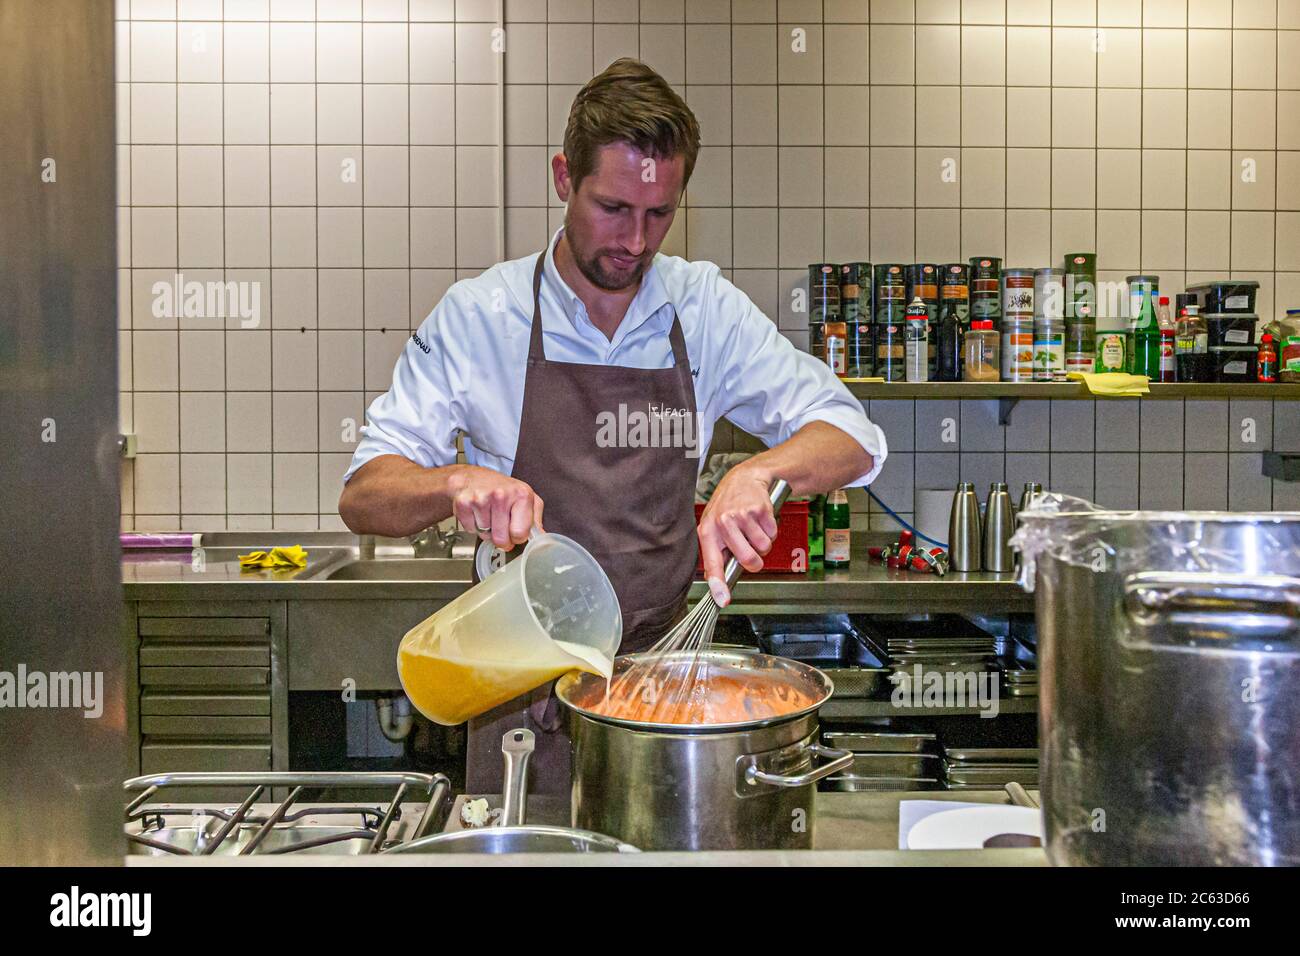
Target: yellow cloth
(1112,383)
(294,557)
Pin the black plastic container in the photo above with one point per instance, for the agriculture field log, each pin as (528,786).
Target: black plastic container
(1233,363)
(1226,295)
(1231,328)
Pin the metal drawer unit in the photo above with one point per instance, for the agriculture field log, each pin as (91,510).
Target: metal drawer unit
(212,689)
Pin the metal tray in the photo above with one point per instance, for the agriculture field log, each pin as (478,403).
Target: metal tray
(871,683)
(842,784)
(972,787)
(997,755)
(880,742)
(894,765)
(823,640)
(992,775)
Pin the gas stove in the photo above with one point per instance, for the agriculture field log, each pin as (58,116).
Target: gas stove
(261,824)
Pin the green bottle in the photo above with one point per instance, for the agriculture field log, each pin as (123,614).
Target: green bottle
(838,534)
(1144,342)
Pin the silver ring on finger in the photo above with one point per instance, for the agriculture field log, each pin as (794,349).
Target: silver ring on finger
(481,530)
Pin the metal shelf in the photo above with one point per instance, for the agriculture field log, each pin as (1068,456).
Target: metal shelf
(1064,390)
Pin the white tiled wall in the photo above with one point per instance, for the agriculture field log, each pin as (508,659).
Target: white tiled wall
(342,157)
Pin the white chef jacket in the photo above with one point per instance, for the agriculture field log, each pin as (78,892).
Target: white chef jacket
(463,370)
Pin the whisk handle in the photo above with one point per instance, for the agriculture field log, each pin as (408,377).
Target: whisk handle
(777,494)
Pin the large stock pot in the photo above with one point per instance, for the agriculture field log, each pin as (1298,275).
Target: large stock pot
(1169,650)
(723,786)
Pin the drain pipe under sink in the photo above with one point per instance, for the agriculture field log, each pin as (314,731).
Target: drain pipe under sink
(395,719)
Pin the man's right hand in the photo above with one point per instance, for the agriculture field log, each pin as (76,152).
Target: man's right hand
(497,507)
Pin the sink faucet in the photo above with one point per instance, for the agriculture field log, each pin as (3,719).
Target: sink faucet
(366,546)
(433,543)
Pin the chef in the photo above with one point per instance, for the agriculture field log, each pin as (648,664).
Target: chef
(585,381)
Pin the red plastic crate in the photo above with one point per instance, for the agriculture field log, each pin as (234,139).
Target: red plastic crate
(790,549)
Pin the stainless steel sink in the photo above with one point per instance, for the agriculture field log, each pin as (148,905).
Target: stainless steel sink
(403,569)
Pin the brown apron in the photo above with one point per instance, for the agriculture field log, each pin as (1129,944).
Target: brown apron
(632,508)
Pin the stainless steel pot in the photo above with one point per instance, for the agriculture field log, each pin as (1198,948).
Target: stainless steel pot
(1170,687)
(735,786)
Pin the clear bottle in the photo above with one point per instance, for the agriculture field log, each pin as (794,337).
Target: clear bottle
(980,361)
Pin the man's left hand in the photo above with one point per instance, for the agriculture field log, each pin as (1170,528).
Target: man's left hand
(739,519)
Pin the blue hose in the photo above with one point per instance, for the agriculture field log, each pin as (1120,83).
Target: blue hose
(893,514)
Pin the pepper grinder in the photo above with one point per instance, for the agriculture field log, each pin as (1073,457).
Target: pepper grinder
(964,529)
(998,525)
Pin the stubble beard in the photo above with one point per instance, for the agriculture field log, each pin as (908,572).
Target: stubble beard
(591,269)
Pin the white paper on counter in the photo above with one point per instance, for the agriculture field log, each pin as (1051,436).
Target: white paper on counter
(912,812)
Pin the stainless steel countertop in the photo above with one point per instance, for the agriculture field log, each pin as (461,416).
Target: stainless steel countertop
(175,575)
(851,829)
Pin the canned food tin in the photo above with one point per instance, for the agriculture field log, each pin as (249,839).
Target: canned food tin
(891,351)
(1110,351)
(1081,285)
(823,273)
(1049,350)
(1080,342)
(1081,264)
(855,291)
(1018,293)
(1076,362)
(1017,349)
(891,293)
(954,280)
(1049,293)
(923,282)
(861,350)
(985,291)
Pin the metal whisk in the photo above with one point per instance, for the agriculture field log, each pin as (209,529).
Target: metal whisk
(671,671)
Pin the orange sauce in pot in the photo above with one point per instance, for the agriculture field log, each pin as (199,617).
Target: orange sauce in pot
(713,695)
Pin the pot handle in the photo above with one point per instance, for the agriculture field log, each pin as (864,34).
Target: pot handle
(839,760)
(1209,611)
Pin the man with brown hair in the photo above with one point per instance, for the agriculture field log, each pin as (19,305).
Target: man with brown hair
(586,381)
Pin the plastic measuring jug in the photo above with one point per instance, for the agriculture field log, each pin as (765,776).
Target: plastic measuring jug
(550,611)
